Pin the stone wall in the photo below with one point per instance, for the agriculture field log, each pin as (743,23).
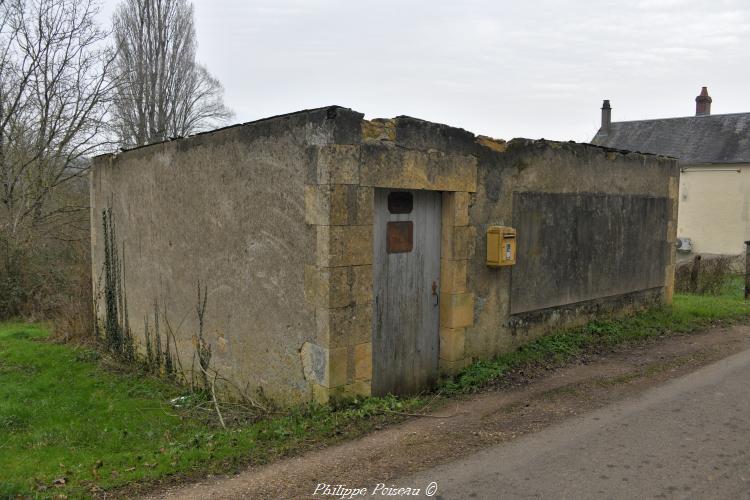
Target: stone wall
(507,170)
(339,284)
(225,208)
(583,172)
(611,244)
(275,218)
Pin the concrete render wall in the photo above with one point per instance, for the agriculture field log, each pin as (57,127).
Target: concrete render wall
(607,249)
(276,218)
(715,208)
(227,209)
(481,296)
(588,172)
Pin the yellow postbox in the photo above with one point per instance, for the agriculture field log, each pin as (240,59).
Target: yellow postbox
(501,246)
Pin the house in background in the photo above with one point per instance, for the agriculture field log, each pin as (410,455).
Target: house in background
(714,159)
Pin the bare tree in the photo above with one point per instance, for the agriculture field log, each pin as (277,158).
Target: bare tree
(54,94)
(161,91)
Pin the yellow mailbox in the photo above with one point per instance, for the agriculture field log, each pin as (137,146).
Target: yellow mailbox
(501,246)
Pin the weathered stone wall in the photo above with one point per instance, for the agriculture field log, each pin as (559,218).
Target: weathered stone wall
(559,170)
(275,218)
(225,208)
(610,244)
(584,172)
(339,205)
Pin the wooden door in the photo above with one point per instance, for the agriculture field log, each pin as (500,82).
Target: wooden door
(406,278)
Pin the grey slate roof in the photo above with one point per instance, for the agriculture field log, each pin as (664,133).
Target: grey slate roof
(692,139)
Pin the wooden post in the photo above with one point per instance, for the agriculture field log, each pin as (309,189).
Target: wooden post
(747,269)
(694,273)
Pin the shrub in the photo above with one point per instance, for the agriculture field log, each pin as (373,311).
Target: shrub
(705,276)
(73,319)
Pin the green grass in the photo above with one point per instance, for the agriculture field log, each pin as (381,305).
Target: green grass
(63,415)
(688,313)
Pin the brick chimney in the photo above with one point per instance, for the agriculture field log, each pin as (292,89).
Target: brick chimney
(606,117)
(703,103)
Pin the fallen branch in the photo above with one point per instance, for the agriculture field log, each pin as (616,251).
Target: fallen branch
(213,396)
(422,414)
(247,399)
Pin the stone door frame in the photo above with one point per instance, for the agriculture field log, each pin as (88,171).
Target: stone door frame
(339,205)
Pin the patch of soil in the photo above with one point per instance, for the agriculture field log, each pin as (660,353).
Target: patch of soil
(526,402)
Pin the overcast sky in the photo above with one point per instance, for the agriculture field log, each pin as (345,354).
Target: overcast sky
(534,68)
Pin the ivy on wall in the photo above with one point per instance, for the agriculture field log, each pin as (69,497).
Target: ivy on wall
(118,338)
(115,334)
(160,356)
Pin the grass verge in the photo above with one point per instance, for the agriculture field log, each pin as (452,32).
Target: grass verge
(689,313)
(70,426)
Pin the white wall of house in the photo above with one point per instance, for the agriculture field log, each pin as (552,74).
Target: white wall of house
(714,209)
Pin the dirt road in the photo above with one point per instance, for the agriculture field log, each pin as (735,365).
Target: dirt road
(514,418)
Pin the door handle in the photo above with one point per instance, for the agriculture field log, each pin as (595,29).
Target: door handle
(435,294)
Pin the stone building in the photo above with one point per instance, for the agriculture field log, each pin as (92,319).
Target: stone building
(350,256)
(714,158)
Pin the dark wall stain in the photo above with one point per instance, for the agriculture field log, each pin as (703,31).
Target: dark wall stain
(576,247)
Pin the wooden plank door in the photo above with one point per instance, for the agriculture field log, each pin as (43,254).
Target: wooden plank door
(406,278)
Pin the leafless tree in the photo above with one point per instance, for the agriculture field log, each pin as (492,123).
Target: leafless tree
(54,93)
(162,92)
